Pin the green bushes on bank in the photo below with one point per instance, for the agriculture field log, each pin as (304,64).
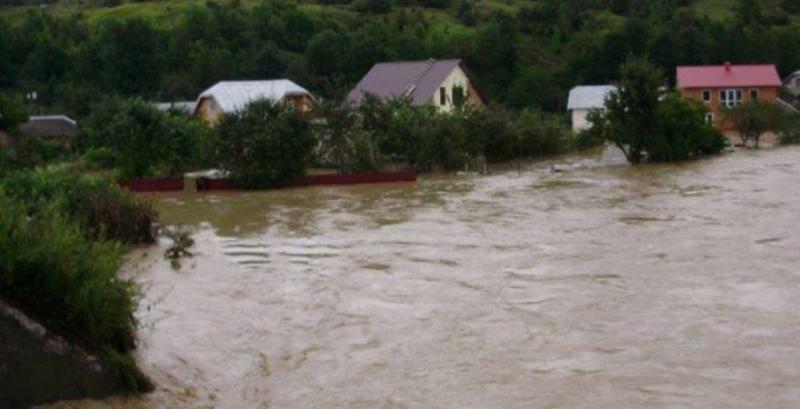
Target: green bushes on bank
(50,269)
(103,210)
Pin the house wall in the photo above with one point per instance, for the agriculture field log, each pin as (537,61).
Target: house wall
(765,94)
(793,84)
(209,110)
(301,103)
(579,122)
(456,78)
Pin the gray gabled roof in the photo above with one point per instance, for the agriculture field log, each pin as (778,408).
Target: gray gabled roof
(589,96)
(50,126)
(235,95)
(418,80)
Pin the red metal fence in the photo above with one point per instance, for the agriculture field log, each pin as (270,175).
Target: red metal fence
(207,184)
(153,185)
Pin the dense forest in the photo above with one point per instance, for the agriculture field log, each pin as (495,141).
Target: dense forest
(523,53)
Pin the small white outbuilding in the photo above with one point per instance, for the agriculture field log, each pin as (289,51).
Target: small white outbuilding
(584,98)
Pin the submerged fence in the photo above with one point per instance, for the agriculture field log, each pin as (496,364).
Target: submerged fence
(203,184)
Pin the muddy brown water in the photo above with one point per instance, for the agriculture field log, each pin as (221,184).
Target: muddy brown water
(601,286)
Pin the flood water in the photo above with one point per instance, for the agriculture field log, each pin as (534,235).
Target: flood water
(601,286)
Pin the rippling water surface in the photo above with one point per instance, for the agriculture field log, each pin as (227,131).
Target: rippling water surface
(600,286)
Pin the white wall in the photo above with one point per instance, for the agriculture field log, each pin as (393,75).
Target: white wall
(456,78)
(579,121)
(792,85)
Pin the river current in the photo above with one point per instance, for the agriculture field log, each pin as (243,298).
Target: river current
(598,286)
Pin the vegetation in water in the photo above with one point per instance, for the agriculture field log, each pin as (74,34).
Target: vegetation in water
(181,241)
(643,121)
(754,119)
(262,145)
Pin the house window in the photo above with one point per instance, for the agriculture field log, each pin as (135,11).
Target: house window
(442,96)
(754,94)
(709,118)
(730,97)
(706,94)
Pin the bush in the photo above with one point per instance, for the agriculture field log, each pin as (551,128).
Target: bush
(753,119)
(540,135)
(146,141)
(102,209)
(263,145)
(56,275)
(99,158)
(681,131)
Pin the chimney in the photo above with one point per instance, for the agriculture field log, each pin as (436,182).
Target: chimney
(727,66)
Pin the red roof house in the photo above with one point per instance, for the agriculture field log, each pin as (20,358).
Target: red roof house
(728,85)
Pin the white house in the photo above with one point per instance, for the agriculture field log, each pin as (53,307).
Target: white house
(231,96)
(584,98)
(441,83)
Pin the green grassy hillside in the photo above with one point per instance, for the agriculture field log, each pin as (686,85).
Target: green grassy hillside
(525,53)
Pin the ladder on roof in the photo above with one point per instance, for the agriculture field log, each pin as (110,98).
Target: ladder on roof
(412,85)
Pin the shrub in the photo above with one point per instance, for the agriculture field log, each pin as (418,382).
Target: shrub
(56,275)
(681,131)
(103,210)
(753,119)
(99,158)
(146,141)
(490,131)
(263,145)
(540,135)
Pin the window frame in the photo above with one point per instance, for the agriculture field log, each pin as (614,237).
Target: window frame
(752,92)
(705,95)
(442,96)
(730,97)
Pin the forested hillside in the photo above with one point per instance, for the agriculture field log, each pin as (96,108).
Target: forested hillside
(523,53)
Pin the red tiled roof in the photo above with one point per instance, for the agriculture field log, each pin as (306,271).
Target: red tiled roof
(718,76)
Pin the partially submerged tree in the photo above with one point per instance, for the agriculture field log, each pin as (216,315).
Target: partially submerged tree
(263,145)
(630,114)
(753,119)
(644,122)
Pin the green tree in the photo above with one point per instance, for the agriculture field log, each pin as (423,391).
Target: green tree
(129,56)
(12,113)
(630,115)
(263,145)
(753,119)
(681,131)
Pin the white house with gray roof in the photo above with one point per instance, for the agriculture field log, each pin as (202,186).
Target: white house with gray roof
(441,83)
(583,99)
(231,96)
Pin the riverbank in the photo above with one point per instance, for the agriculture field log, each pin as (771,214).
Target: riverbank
(599,286)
